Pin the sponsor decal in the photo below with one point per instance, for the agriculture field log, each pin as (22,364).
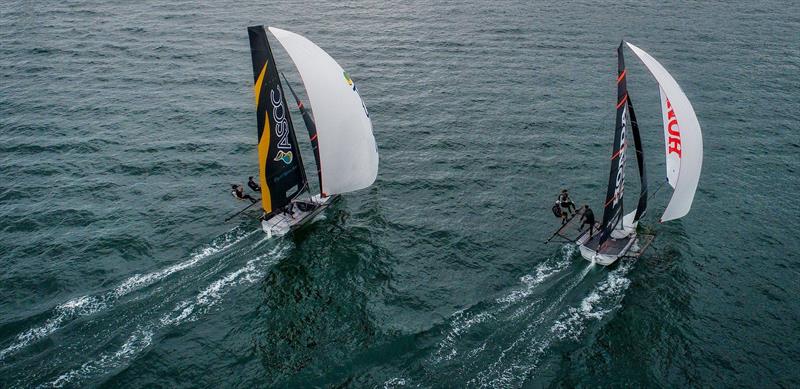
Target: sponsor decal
(351,83)
(620,181)
(673,132)
(279,115)
(285,156)
(348,79)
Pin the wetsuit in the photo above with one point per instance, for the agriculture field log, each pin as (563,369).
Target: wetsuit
(566,202)
(588,218)
(238,192)
(252,184)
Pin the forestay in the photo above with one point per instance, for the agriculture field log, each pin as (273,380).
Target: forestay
(684,140)
(347,150)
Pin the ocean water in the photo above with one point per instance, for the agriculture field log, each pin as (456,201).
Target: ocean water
(122,124)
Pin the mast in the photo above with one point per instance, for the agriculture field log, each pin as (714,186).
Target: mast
(311,127)
(281,172)
(641,208)
(612,209)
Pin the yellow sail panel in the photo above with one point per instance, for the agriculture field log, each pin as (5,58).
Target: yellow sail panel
(263,150)
(263,147)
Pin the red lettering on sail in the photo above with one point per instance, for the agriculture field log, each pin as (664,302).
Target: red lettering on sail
(674,132)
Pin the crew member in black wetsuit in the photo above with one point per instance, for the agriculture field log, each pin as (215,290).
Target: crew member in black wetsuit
(238,192)
(253,185)
(566,202)
(559,213)
(588,218)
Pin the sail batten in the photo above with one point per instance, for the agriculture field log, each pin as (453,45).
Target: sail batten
(347,148)
(281,172)
(683,138)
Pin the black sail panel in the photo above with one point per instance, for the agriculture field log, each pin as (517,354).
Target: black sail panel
(641,208)
(281,171)
(612,209)
(311,127)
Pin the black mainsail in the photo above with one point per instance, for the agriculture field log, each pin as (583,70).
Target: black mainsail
(311,127)
(641,208)
(281,171)
(612,209)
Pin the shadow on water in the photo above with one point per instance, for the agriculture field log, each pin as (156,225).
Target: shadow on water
(315,314)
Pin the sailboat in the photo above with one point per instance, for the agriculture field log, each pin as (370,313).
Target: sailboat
(338,123)
(617,236)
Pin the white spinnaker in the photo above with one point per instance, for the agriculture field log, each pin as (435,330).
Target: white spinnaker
(347,150)
(691,138)
(671,128)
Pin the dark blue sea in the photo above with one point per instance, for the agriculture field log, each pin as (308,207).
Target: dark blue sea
(122,125)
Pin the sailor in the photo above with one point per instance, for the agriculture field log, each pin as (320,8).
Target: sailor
(289,209)
(252,184)
(588,218)
(559,213)
(238,192)
(566,202)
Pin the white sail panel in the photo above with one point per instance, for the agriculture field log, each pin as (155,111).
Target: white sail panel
(690,140)
(672,139)
(347,150)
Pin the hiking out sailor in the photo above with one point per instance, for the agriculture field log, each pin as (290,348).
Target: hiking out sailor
(238,192)
(559,213)
(253,185)
(566,202)
(588,218)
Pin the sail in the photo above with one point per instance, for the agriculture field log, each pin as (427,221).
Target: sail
(348,154)
(612,209)
(310,126)
(641,208)
(281,171)
(684,139)
(672,139)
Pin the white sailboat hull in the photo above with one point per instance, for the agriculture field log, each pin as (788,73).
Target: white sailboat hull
(612,249)
(283,222)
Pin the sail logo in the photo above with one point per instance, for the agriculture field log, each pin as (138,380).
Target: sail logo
(619,183)
(673,132)
(285,156)
(279,116)
(351,83)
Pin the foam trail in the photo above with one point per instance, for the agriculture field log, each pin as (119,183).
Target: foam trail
(601,301)
(88,305)
(493,377)
(542,272)
(462,321)
(135,343)
(184,311)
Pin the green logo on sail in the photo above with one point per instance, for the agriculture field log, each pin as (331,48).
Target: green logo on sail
(348,79)
(285,156)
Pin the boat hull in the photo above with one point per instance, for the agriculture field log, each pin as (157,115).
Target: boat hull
(609,252)
(282,223)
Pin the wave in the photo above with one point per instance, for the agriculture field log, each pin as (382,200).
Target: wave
(185,311)
(528,347)
(89,305)
(462,321)
(600,302)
